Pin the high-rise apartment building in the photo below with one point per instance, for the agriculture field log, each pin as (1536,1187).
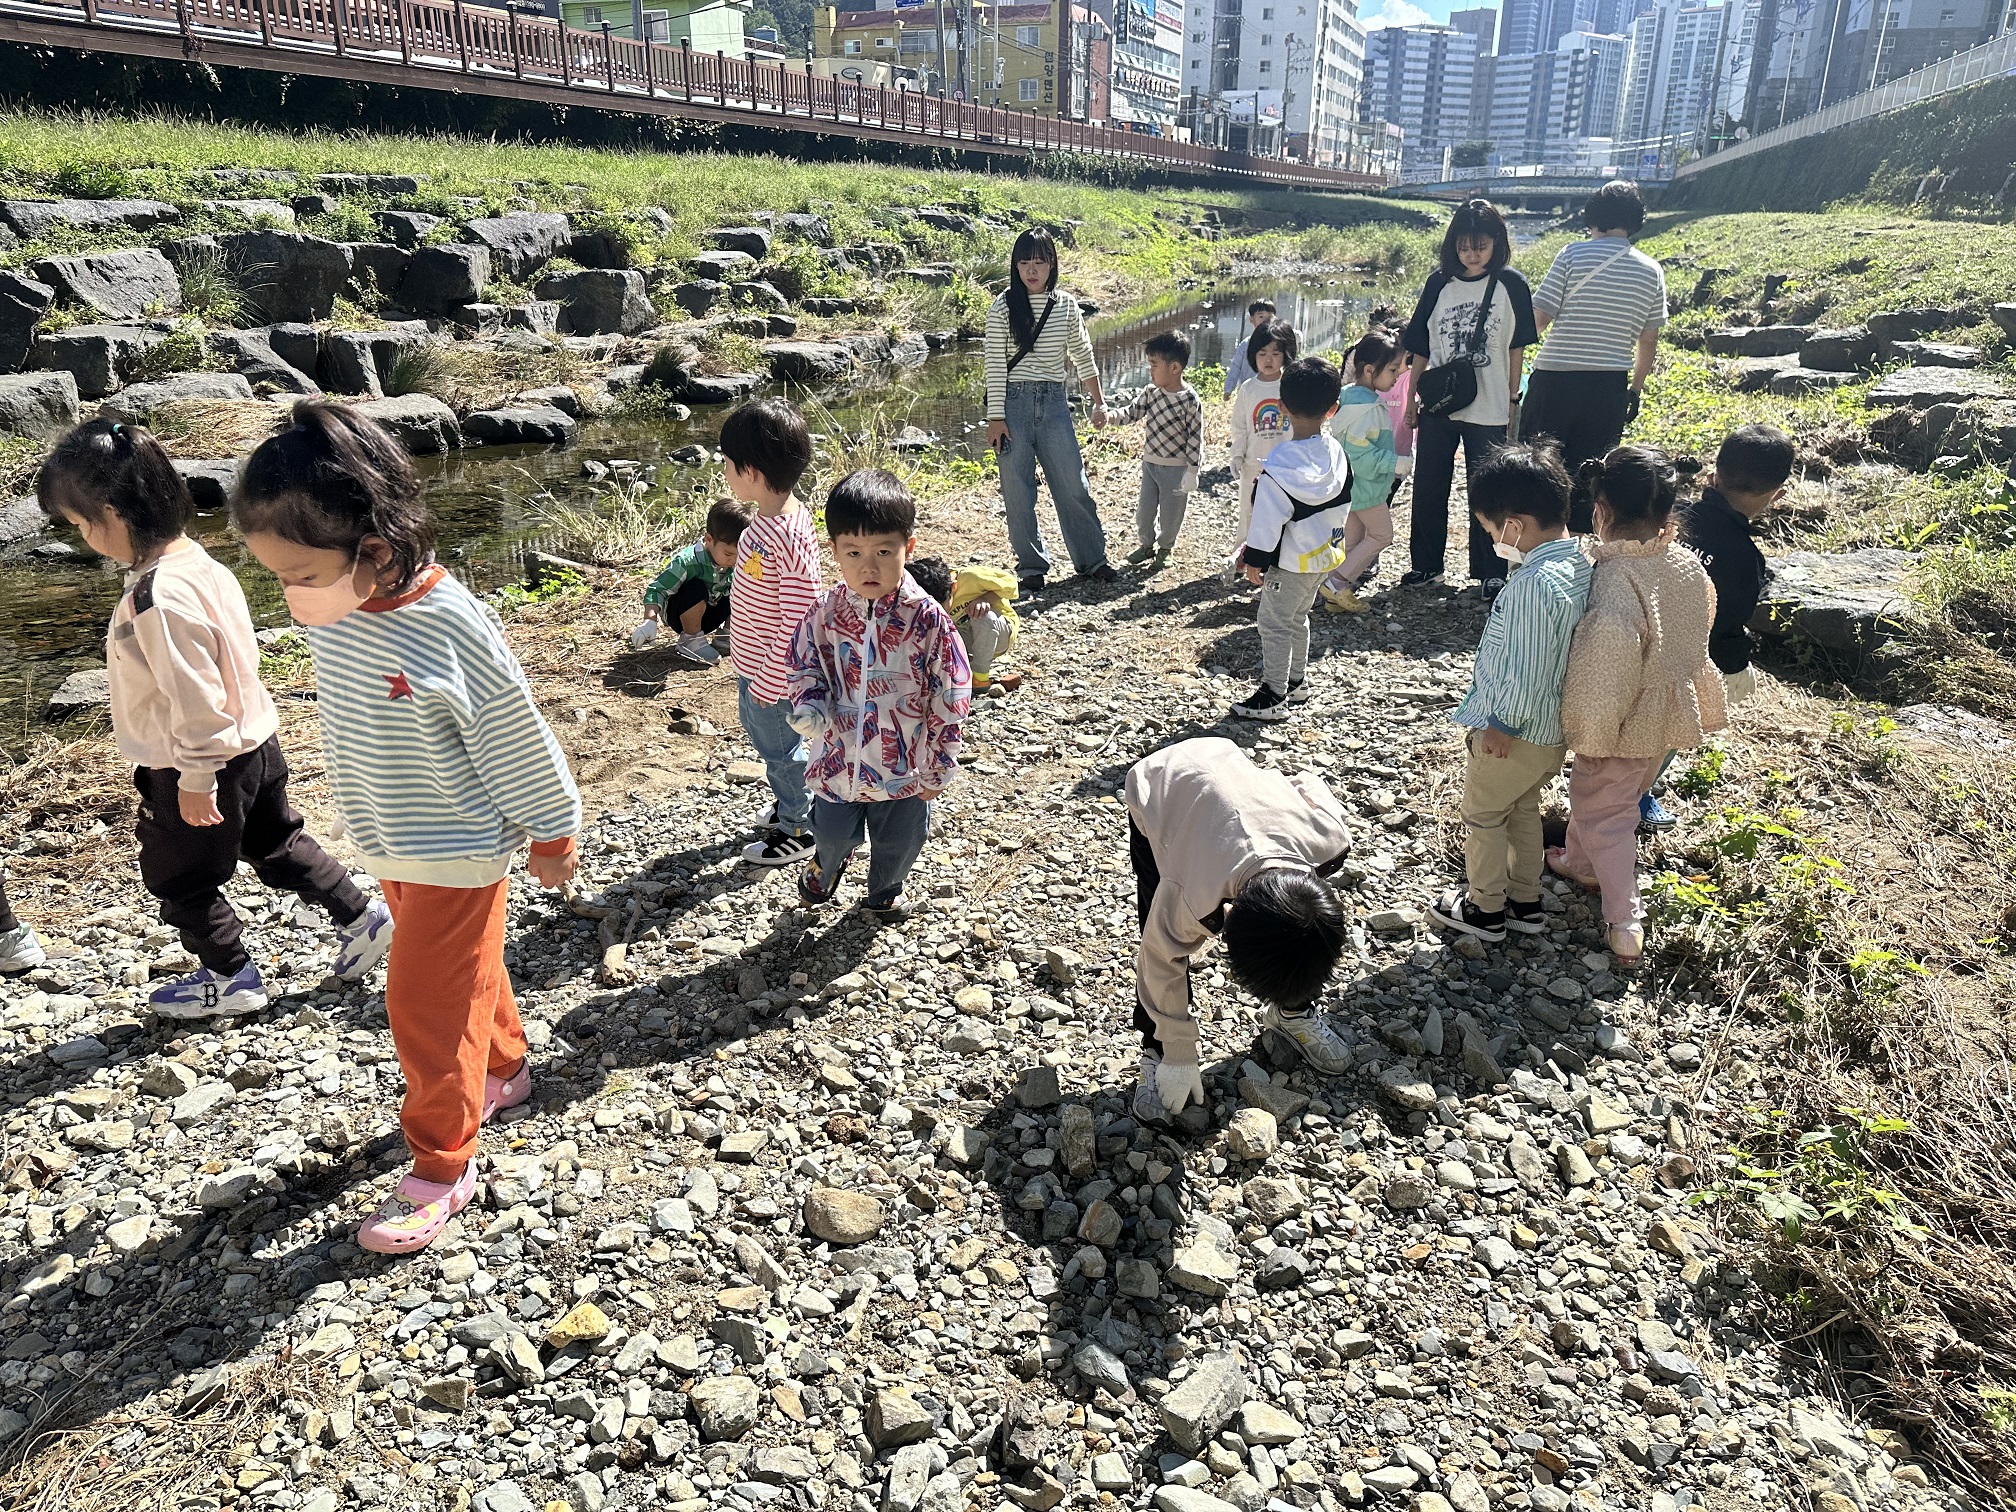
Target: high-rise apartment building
(1670,82)
(1481,24)
(1274,77)
(1420,79)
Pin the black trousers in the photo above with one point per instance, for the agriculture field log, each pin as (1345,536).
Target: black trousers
(1585,413)
(186,865)
(1435,444)
(683,598)
(1147,878)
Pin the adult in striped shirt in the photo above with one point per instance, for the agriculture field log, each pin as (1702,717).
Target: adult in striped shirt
(1600,308)
(1036,340)
(441,767)
(1513,709)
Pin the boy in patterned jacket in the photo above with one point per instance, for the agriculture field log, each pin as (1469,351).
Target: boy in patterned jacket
(878,686)
(1172,447)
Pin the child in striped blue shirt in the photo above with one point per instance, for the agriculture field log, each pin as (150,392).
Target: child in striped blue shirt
(1513,709)
(441,767)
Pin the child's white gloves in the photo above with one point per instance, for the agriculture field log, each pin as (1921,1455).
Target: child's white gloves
(1177,1085)
(1189,483)
(645,633)
(1739,687)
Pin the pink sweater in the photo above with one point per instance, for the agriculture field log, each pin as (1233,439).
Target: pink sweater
(184,668)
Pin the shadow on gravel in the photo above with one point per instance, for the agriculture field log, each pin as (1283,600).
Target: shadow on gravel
(646,674)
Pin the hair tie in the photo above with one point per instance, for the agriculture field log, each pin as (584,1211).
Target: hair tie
(117,427)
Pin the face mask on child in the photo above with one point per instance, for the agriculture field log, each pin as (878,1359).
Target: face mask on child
(324,606)
(1507,552)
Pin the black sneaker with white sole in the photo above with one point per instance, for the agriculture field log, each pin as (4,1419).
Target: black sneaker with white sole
(779,850)
(1527,918)
(1454,910)
(1416,578)
(1299,691)
(1491,587)
(1263,704)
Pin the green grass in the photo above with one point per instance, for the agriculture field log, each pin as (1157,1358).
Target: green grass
(20,459)
(1690,406)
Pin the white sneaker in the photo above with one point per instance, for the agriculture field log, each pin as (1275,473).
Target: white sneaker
(1309,1038)
(698,650)
(362,943)
(203,995)
(20,950)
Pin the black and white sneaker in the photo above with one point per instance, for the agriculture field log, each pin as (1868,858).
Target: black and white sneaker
(1416,578)
(1299,691)
(1102,574)
(896,911)
(1527,918)
(1454,910)
(779,850)
(1263,704)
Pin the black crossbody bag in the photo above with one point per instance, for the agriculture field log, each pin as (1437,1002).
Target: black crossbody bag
(1453,385)
(1034,336)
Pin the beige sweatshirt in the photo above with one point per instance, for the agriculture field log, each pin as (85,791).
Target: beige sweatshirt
(1639,679)
(184,668)
(1214,821)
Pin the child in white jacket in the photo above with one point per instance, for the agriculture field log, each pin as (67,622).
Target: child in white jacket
(1300,508)
(1258,421)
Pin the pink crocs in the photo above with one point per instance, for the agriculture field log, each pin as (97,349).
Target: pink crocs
(416,1212)
(500,1092)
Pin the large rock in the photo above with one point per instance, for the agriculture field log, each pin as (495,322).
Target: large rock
(753,240)
(83,692)
(115,285)
(1841,351)
(440,279)
(718,388)
(23,302)
(385,185)
(521,425)
(210,483)
(424,425)
(1204,1400)
(35,218)
(1209,1264)
(1754,375)
(523,242)
(285,275)
(379,265)
(361,362)
(1919,321)
(100,357)
(21,519)
(722,267)
(1920,387)
(1946,354)
(2004,315)
(142,399)
(807,227)
(296,342)
(37,406)
(405,228)
(600,301)
(895,1418)
(252,211)
(251,354)
(1758,341)
(1846,602)
(699,296)
(809,361)
(726,1406)
(1795,381)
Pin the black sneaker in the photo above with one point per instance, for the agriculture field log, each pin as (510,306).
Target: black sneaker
(1103,573)
(815,891)
(1263,704)
(1491,588)
(1299,691)
(779,850)
(1527,918)
(1032,583)
(1454,910)
(1419,579)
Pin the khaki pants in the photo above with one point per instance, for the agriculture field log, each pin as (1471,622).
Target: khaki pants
(1503,850)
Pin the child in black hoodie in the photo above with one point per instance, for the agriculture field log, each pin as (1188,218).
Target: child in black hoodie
(1751,470)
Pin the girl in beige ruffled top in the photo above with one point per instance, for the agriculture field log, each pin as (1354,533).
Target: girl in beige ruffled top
(1639,683)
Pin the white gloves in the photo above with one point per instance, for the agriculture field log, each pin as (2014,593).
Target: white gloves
(1189,483)
(645,633)
(1739,687)
(1177,1085)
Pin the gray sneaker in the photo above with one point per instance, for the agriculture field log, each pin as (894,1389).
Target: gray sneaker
(1147,1105)
(1306,1037)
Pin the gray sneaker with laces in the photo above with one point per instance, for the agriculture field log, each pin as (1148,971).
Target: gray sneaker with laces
(1307,1037)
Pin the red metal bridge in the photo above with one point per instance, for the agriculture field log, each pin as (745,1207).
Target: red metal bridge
(445,44)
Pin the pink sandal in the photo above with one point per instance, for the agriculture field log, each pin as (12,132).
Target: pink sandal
(414,1215)
(501,1092)
(1557,863)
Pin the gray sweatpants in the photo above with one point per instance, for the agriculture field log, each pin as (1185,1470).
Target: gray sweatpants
(1285,598)
(986,638)
(1164,501)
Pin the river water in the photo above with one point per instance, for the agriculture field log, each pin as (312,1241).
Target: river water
(53,611)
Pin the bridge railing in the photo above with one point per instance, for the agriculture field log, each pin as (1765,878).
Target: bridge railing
(478,40)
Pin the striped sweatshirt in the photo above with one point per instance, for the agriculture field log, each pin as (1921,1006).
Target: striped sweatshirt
(1063,350)
(1522,661)
(1600,294)
(440,762)
(776,580)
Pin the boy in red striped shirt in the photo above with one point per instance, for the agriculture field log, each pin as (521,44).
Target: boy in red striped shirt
(765,450)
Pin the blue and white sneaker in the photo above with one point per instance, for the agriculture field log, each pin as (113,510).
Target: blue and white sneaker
(362,943)
(20,950)
(1654,816)
(203,994)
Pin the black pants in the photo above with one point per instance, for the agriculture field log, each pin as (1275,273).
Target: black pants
(1435,444)
(683,598)
(1147,878)
(7,920)
(185,865)
(1585,413)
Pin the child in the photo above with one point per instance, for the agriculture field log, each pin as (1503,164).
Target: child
(1513,708)
(190,713)
(1367,433)
(1257,422)
(934,576)
(982,606)
(438,762)
(19,949)
(765,450)
(1639,680)
(1751,470)
(1297,534)
(878,685)
(1172,447)
(691,594)
(1221,846)
(1258,314)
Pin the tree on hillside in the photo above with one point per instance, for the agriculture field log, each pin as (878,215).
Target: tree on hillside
(793,20)
(1469,154)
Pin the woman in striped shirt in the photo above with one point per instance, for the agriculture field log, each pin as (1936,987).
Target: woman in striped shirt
(1036,340)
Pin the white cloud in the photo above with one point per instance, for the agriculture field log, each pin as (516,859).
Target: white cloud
(1395,13)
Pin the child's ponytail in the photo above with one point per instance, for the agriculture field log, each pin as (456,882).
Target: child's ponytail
(1640,484)
(109,465)
(331,479)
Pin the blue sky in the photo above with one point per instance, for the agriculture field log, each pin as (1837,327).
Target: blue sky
(1373,14)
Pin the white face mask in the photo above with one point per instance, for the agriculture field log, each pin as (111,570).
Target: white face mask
(1507,552)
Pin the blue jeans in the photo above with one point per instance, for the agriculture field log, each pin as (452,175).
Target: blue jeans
(783,753)
(894,829)
(1040,430)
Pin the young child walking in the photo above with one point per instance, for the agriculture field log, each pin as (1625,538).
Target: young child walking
(1221,846)
(1296,535)
(1512,713)
(691,594)
(1240,368)
(1258,422)
(190,713)
(879,686)
(1639,683)
(1172,447)
(440,765)
(765,450)
(1365,428)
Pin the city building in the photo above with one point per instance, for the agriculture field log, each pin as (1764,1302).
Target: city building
(1276,78)
(1147,66)
(1481,24)
(1004,55)
(1420,78)
(1671,79)
(707,25)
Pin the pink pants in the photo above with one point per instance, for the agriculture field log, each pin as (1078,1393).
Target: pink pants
(1603,794)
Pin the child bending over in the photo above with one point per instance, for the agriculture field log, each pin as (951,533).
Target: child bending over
(691,593)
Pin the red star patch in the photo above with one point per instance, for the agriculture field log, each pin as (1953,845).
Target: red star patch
(400,687)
